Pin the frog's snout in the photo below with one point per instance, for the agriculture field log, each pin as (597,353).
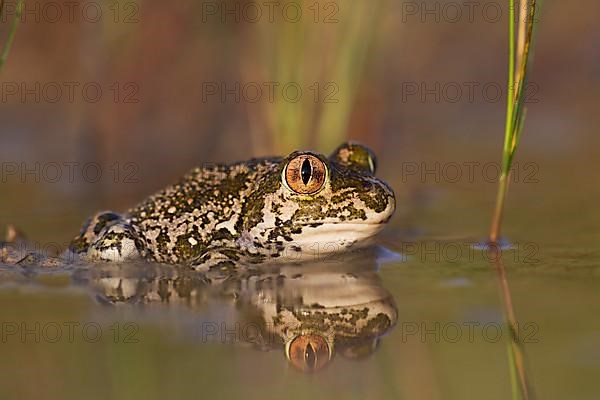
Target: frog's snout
(384,202)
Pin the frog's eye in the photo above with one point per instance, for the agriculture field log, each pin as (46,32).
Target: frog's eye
(305,174)
(355,156)
(308,352)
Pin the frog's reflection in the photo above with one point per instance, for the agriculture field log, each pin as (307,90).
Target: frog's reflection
(311,311)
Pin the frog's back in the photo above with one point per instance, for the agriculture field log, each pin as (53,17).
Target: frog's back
(202,210)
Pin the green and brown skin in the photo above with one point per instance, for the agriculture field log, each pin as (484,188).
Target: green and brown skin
(247,211)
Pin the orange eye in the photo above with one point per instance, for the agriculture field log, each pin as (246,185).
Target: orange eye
(305,174)
(308,352)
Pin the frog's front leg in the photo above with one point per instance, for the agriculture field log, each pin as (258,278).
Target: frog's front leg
(108,236)
(117,243)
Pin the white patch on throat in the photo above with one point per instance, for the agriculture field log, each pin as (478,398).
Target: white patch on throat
(327,239)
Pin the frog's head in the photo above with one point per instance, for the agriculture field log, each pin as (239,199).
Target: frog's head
(313,204)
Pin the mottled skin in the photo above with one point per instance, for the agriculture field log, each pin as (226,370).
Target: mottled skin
(246,210)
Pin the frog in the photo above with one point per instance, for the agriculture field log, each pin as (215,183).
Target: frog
(302,206)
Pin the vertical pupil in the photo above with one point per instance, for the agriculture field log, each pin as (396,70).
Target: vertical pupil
(310,356)
(305,171)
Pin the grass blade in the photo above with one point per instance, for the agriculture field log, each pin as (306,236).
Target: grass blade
(11,31)
(515,104)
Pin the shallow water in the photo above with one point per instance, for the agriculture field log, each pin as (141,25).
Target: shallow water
(447,337)
(155,332)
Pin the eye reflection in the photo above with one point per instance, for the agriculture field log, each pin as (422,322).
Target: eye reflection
(310,357)
(309,352)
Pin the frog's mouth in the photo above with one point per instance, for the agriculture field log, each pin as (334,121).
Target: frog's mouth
(334,235)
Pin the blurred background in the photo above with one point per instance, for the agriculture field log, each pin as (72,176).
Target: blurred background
(106,102)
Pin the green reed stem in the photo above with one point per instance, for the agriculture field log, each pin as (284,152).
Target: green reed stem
(515,117)
(11,31)
(515,109)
